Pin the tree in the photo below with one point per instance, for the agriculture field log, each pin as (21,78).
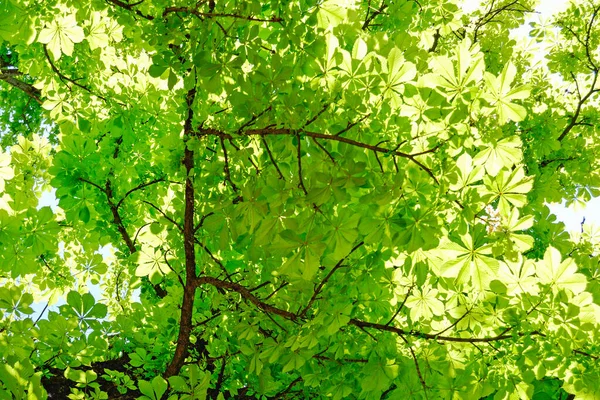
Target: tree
(305,199)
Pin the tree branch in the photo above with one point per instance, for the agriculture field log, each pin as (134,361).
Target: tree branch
(401,306)
(375,13)
(299,156)
(247,295)
(199,14)
(100,188)
(271,157)
(171,220)
(414,357)
(187,305)
(352,125)
(129,7)
(66,78)
(226,169)
(201,223)
(252,120)
(302,313)
(281,395)
(29,90)
(215,259)
(573,121)
(138,187)
(269,131)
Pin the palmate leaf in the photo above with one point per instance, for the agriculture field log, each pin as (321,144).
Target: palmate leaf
(152,390)
(397,72)
(503,154)
(152,263)
(500,95)
(456,75)
(344,234)
(424,304)
(60,35)
(332,12)
(468,173)
(304,262)
(6,171)
(509,187)
(193,387)
(97,36)
(512,224)
(560,274)
(468,262)
(519,276)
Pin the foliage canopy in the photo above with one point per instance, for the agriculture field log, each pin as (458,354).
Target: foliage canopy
(305,199)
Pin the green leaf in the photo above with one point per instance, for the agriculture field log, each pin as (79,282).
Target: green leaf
(501,94)
(510,187)
(84,214)
(60,36)
(153,390)
(468,173)
(560,274)
(156,71)
(469,261)
(503,154)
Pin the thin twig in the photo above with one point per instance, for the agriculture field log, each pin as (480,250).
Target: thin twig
(66,78)
(299,156)
(302,313)
(171,220)
(419,374)
(401,306)
(201,223)
(138,187)
(352,124)
(271,158)
(226,166)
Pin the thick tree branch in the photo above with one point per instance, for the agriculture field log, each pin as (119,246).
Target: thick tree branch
(8,76)
(588,36)
(247,295)
(195,12)
(335,138)
(117,221)
(260,304)
(436,41)
(187,305)
(117,218)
